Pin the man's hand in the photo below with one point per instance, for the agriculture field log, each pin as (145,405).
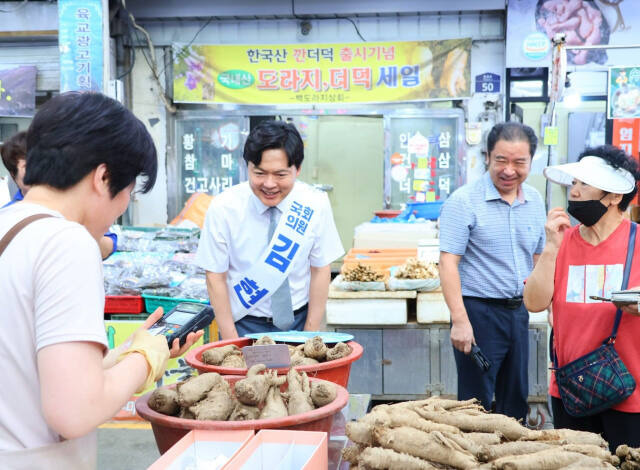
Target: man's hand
(557,222)
(462,336)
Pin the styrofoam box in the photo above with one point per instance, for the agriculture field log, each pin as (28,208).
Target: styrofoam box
(273,449)
(203,449)
(431,308)
(366,311)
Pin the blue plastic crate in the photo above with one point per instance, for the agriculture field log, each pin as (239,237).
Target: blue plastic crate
(425,210)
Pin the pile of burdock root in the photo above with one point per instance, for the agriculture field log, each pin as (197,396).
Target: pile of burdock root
(448,434)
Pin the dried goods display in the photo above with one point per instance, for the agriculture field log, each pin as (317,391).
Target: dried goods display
(361,273)
(417,269)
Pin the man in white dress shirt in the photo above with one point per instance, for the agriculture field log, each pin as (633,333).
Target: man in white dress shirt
(267,244)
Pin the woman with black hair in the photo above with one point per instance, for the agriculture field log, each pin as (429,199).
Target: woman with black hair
(589,260)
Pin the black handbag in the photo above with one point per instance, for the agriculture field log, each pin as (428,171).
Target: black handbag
(598,380)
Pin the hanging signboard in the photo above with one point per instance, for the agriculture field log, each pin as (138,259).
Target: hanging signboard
(304,74)
(623,94)
(424,157)
(18,91)
(80,40)
(531,24)
(626,135)
(210,154)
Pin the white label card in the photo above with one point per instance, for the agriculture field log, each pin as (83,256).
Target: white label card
(271,355)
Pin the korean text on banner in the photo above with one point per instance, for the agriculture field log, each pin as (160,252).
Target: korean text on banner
(80,42)
(301,74)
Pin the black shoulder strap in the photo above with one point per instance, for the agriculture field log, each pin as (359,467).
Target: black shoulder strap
(625,278)
(13,231)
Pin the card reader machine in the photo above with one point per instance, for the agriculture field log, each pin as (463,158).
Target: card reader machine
(182,320)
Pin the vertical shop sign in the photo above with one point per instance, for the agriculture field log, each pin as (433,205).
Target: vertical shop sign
(626,135)
(424,158)
(18,91)
(81,46)
(210,153)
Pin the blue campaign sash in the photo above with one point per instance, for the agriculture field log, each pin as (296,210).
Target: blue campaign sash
(249,289)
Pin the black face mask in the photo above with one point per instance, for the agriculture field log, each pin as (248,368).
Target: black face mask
(587,212)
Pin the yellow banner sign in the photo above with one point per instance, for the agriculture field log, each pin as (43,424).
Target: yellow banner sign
(305,74)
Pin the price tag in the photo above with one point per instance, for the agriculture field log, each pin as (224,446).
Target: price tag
(271,355)
(551,135)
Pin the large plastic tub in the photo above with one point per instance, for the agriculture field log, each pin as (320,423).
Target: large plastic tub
(333,371)
(167,430)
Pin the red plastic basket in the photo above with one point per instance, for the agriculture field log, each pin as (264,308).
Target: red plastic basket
(336,371)
(167,430)
(123,304)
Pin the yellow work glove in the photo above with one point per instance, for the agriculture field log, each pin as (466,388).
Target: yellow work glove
(154,349)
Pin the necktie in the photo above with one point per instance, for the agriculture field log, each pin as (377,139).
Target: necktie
(281,299)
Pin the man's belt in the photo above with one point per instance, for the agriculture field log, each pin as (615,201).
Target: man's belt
(510,303)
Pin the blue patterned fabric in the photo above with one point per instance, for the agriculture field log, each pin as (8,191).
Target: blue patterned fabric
(496,240)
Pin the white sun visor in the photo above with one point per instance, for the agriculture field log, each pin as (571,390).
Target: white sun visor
(594,171)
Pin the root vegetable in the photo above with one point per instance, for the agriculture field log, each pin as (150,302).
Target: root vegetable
(490,453)
(351,453)
(274,406)
(569,436)
(630,465)
(408,417)
(483,438)
(299,393)
(464,443)
(506,426)
(185,413)
(359,432)
(387,459)
(315,348)
(216,407)
(629,453)
(431,446)
(264,340)
(196,388)
(218,404)
(235,359)
(253,390)
(322,393)
(215,356)
(590,450)
(165,401)
(300,360)
(340,350)
(549,459)
(242,412)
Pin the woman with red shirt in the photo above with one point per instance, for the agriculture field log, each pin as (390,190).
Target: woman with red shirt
(588,260)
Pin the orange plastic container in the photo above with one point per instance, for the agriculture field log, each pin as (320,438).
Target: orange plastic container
(333,371)
(378,259)
(167,430)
